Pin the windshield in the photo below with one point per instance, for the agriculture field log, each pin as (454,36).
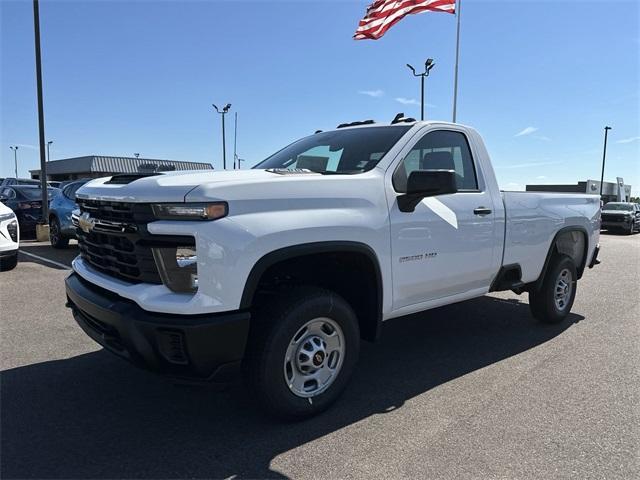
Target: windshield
(36,193)
(353,150)
(618,206)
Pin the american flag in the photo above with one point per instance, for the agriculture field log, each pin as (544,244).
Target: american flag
(383,14)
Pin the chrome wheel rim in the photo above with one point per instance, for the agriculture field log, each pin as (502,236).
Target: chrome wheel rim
(563,289)
(314,357)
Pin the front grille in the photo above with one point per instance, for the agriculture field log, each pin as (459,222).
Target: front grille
(119,244)
(612,218)
(117,211)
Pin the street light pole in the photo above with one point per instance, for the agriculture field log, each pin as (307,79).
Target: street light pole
(48,153)
(15,158)
(428,65)
(223,112)
(604,157)
(235,142)
(43,160)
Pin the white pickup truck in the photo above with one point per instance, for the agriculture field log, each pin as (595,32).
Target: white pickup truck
(278,272)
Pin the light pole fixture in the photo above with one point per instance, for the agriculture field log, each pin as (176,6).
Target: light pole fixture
(137,155)
(48,153)
(15,157)
(223,112)
(428,65)
(604,157)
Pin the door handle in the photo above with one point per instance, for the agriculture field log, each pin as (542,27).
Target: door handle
(482,211)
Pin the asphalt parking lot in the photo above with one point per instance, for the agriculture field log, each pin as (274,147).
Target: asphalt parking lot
(473,390)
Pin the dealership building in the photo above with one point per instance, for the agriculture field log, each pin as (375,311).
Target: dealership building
(94,166)
(611,192)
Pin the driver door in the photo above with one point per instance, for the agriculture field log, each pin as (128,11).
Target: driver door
(445,247)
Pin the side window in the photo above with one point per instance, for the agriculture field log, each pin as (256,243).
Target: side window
(73,189)
(442,149)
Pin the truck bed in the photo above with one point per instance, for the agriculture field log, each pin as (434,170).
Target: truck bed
(533,220)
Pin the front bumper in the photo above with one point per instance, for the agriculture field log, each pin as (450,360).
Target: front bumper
(8,253)
(616,224)
(194,348)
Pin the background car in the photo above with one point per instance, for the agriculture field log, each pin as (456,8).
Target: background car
(6,182)
(60,227)
(26,203)
(9,238)
(621,216)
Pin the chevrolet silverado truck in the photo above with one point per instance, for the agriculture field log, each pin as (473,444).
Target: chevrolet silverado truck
(278,272)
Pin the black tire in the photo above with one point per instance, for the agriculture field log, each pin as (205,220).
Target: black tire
(272,332)
(8,263)
(55,234)
(630,230)
(543,303)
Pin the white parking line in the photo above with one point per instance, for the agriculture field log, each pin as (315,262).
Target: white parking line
(42,259)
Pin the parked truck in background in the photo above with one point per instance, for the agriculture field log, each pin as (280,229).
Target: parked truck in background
(280,271)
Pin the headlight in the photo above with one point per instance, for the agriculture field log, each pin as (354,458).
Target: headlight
(178,267)
(190,211)
(7,216)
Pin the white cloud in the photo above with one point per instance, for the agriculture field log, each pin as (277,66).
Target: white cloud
(543,138)
(527,131)
(372,93)
(407,101)
(527,165)
(628,140)
(541,177)
(514,186)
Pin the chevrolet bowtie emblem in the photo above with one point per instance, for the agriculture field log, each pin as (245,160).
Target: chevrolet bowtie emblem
(86,223)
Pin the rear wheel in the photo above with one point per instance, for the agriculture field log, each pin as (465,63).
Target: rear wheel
(302,350)
(9,263)
(553,301)
(55,234)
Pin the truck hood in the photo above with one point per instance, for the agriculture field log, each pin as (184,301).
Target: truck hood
(175,186)
(617,212)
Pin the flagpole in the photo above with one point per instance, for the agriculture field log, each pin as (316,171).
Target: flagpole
(455,75)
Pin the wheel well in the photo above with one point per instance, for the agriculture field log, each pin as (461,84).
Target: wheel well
(573,243)
(569,241)
(353,275)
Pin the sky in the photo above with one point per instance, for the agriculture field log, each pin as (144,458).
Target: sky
(538,79)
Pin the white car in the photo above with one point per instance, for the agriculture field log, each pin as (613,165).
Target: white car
(281,270)
(9,238)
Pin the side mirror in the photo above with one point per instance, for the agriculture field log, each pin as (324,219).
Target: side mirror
(426,183)
(3,198)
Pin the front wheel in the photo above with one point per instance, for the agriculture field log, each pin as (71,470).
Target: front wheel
(553,301)
(302,350)
(55,234)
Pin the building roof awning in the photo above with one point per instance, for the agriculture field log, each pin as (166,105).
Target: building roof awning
(111,165)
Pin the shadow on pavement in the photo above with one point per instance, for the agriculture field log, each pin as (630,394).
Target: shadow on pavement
(94,416)
(64,256)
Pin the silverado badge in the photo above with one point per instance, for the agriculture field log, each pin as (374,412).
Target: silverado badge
(86,223)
